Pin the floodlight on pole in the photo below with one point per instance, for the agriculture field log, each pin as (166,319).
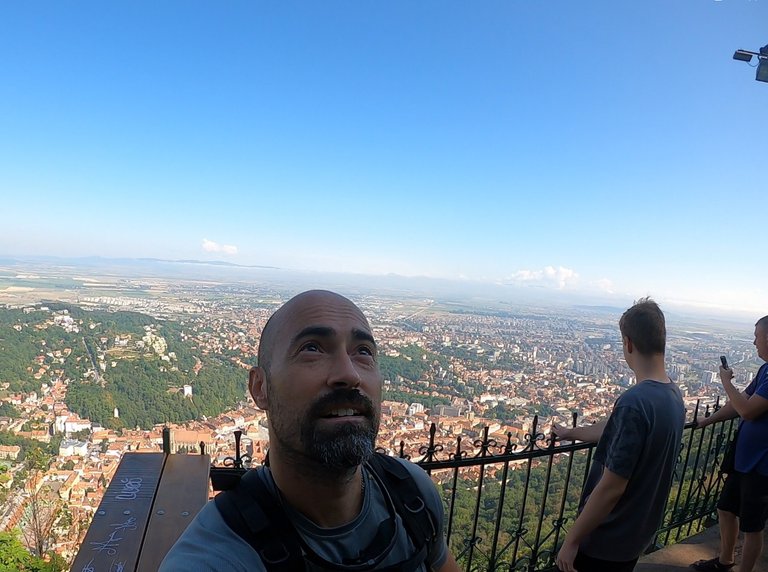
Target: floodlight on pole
(743,55)
(762,61)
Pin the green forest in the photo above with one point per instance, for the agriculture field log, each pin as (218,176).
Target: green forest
(145,389)
(541,496)
(14,557)
(415,364)
(518,514)
(412,364)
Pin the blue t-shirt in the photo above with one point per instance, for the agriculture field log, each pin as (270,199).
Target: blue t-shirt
(209,545)
(752,444)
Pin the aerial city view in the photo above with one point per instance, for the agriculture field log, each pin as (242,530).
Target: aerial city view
(489,187)
(103,367)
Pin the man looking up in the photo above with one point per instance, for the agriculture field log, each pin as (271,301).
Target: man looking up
(743,504)
(324,502)
(637,445)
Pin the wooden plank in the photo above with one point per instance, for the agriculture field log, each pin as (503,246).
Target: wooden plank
(182,493)
(116,533)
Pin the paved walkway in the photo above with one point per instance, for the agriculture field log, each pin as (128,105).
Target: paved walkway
(677,557)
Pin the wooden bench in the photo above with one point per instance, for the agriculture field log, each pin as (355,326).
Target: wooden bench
(150,501)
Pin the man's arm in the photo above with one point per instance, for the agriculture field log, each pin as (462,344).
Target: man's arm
(589,433)
(599,505)
(749,407)
(723,414)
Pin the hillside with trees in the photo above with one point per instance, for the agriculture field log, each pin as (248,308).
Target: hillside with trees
(123,361)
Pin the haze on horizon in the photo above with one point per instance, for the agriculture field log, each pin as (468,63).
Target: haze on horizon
(32,280)
(604,150)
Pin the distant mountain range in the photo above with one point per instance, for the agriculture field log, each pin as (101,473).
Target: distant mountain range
(100,261)
(466,293)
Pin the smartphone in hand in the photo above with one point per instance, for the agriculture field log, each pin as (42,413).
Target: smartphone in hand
(724,362)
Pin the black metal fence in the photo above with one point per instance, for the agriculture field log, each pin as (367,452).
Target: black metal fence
(508,506)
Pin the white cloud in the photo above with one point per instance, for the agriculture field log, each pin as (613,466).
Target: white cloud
(605,285)
(211,246)
(548,277)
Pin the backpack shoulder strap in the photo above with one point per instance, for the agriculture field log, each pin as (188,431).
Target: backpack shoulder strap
(245,509)
(407,498)
(255,515)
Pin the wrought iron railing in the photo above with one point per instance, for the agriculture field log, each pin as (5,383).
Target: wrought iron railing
(508,505)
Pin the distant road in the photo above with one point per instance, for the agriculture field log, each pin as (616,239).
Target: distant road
(93,359)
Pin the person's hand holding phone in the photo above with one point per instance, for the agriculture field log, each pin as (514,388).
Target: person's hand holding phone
(726,373)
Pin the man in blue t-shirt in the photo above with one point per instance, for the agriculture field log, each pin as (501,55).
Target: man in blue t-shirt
(628,484)
(743,504)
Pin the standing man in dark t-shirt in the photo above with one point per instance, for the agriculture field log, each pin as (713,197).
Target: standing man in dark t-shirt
(637,445)
(743,504)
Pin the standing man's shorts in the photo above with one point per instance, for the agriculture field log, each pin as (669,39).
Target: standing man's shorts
(746,496)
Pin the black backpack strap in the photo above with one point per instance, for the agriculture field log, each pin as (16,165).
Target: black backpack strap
(408,500)
(255,515)
(245,509)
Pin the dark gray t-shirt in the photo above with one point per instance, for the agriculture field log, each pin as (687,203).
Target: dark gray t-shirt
(641,442)
(209,545)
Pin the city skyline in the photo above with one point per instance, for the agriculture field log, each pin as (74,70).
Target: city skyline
(594,150)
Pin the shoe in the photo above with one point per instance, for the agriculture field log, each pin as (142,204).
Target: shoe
(712,565)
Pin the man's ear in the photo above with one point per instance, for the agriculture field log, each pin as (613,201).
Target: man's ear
(628,344)
(257,385)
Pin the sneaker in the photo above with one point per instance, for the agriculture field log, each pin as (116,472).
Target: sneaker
(711,565)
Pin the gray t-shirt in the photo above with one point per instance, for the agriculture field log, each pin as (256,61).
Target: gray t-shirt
(209,545)
(641,442)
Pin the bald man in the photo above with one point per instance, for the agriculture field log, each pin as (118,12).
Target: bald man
(326,500)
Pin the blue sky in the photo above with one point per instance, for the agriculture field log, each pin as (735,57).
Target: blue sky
(611,148)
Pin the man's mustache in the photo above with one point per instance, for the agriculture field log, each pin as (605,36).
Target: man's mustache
(346,398)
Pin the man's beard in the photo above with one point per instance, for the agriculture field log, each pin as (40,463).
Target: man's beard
(349,444)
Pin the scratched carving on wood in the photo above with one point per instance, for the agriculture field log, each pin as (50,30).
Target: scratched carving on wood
(131,488)
(114,539)
(112,542)
(113,567)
